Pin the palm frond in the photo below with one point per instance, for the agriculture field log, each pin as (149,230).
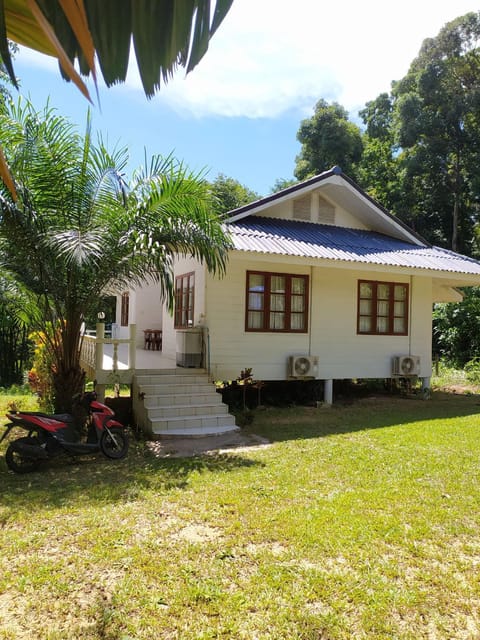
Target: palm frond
(166,34)
(77,247)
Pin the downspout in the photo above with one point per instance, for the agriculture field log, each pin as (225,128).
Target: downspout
(410,315)
(208,352)
(206,331)
(310,312)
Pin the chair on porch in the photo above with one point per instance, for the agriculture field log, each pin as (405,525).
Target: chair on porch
(152,339)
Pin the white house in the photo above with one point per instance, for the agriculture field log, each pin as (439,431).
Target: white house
(321,281)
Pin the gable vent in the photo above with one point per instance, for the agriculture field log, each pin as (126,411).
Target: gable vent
(302,208)
(326,211)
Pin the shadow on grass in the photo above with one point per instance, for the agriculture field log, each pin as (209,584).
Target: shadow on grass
(95,479)
(98,480)
(375,412)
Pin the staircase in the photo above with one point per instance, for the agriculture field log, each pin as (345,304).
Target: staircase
(179,402)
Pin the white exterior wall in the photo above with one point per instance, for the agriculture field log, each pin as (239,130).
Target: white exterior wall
(185,265)
(148,310)
(332,326)
(231,347)
(145,310)
(345,354)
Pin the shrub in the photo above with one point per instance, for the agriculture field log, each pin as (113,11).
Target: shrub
(472,370)
(40,375)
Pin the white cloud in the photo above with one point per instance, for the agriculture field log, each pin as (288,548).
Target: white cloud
(272,56)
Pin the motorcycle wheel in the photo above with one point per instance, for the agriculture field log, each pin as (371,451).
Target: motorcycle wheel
(114,446)
(16,460)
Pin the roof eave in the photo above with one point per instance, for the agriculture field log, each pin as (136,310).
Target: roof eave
(454,278)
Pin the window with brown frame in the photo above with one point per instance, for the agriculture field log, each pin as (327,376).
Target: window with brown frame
(382,308)
(276,302)
(124,310)
(184,297)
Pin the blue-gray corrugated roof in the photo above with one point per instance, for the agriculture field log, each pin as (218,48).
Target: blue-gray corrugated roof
(310,240)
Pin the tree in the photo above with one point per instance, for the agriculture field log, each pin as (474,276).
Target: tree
(378,170)
(456,329)
(15,347)
(282,183)
(328,138)
(165,35)
(77,228)
(437,119)
(229,194)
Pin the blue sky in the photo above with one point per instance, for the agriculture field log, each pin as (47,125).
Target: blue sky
(239,111)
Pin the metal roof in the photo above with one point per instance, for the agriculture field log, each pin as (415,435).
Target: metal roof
(321,241)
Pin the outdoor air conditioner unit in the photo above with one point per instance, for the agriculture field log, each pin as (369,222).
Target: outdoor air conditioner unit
(303,366)
(405,366)
(189,348)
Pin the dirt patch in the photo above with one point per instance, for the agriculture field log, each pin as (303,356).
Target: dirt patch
(197,533)
(178,447)
(460,389)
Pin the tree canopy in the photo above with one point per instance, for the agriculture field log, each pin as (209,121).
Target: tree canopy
(328,138)
(437,126)
(229,194)
(165,35)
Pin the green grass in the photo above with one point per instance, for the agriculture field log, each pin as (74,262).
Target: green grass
(360,521)
(449,377)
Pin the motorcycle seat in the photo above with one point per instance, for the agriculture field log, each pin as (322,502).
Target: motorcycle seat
(63,417)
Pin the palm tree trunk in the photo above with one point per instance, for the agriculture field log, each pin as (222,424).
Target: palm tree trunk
(67,383)
(68,376)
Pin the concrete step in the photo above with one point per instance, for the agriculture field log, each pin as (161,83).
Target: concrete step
(196,432)
(182,403)
(172,378)
(193,422)
(168,389)
(179,371)
(155,413)
(181,399)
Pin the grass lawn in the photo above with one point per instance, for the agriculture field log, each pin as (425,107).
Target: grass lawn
(360,521)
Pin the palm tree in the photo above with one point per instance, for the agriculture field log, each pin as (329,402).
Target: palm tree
(77,228)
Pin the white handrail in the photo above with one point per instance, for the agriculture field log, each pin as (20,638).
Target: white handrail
(92,349)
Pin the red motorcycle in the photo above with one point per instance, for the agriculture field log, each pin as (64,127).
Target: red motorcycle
(52,435)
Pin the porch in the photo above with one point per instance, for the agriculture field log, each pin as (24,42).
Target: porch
(144,359)
(167,400)
(111,360)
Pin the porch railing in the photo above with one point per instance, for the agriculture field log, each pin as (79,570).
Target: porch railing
(92,357)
